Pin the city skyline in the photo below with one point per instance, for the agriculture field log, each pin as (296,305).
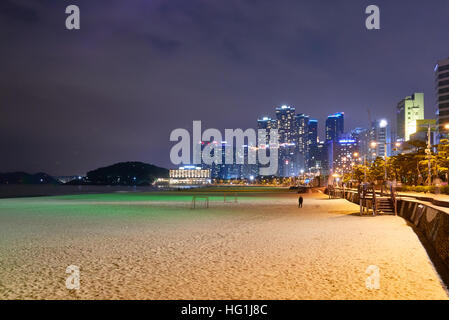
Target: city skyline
(114,90)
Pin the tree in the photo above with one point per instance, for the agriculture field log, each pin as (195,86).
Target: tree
(442,158)
(358,172)
(377,170)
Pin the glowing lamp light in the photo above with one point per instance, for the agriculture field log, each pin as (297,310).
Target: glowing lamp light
(383,123)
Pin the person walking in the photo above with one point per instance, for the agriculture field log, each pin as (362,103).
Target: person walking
(300,201)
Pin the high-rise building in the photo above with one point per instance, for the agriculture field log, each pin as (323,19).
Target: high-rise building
(287,165)
(335,126)
(363,138)
(342,154)
(232,170)
(312,145)
(286,124)
(267,124)
(323,157)
(409,110)
(302,137)
(285,116)
(380,134)
(423,130)
(442,87)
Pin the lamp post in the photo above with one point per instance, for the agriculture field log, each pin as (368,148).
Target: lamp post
(429,127)
(429,155)
(364,168)
(355,155)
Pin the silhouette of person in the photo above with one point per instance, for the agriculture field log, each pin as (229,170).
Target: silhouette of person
(300,201)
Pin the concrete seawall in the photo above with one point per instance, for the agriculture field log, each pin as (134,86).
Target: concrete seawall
(430,220)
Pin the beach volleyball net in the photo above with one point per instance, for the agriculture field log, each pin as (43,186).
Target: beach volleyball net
(230,198)
(199,201)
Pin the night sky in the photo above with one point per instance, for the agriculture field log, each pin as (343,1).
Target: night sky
(71,101)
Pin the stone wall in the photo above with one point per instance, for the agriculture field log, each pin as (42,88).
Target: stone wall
(431,222)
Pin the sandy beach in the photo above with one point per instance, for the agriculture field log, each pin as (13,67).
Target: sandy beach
(151,246)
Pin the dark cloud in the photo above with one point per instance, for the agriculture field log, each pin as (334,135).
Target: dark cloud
(137,69)
(163,44)
(15,10)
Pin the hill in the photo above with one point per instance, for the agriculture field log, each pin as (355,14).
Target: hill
(26,178)
(126,173)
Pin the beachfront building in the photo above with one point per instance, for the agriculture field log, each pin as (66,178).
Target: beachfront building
(312,145)
(408,111)
(267,124)
(342,154)
(363,138)
(288,155)
(442,87)
(285,116)
(302,123)
(335,126)
(380,142)
(187,176)
(322,163)
(423,131)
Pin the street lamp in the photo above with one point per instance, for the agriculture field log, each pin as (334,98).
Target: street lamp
(302,175)
(357,156)
(430,126)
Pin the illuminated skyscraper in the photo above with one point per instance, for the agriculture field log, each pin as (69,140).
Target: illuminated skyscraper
(302,137)
(409,110)
(335,126)
(312,144)
(267,124)
(322,162)
(285,116)
(442,86)
(363,138)
(286,124)
(380,134)
(341,154)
